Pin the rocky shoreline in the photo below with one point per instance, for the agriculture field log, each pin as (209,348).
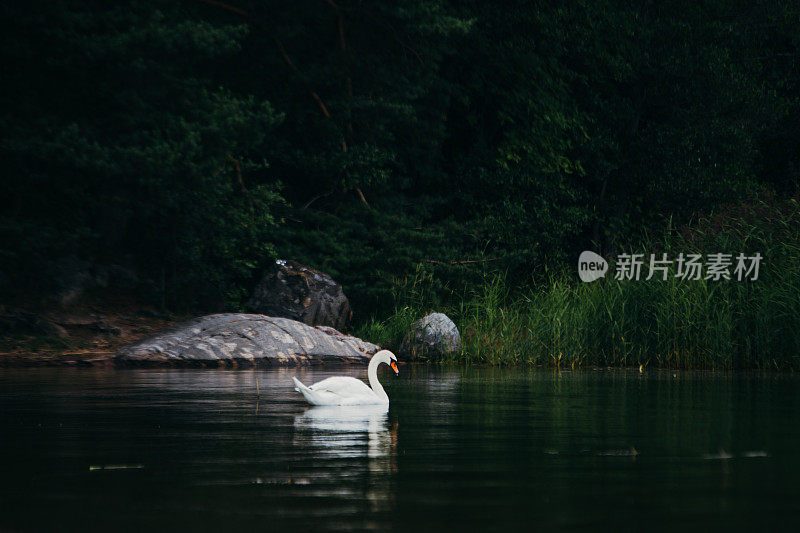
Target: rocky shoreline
(298,312)
(221,340)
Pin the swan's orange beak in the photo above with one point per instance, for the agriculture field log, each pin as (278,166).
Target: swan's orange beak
(394,367)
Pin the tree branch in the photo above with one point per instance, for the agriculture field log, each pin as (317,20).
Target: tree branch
(361,195)
(239,179)
(462,262)
(315,198)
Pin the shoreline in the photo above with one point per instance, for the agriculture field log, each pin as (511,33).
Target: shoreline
(85,344)
(106,359)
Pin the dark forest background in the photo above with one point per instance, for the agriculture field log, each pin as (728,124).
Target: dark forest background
(196,141)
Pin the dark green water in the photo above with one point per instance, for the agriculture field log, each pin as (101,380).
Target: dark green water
(472,449)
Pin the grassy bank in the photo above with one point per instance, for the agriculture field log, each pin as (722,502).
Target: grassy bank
(675,323)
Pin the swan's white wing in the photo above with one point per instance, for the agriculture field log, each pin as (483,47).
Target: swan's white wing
(344,386)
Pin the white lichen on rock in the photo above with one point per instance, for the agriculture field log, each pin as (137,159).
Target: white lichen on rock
(233,337)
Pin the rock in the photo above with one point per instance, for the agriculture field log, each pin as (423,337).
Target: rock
(358,344)
(291,290)
(233,338)
(433,336)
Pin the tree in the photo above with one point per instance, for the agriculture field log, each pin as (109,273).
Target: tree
(119,140)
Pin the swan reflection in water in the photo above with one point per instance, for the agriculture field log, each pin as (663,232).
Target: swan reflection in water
(352,432)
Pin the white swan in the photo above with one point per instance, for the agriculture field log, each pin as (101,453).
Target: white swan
(344,390)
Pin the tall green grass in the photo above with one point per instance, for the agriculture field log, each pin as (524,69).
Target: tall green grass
(675,323)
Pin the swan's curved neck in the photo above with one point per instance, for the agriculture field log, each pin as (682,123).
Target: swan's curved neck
(372,374)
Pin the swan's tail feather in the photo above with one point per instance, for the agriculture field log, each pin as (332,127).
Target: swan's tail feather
(297,385)
(308,393)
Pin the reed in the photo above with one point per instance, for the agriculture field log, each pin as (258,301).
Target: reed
(675,323)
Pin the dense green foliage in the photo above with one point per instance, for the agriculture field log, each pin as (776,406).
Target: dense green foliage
(672,323)
(198,140)
(116,141)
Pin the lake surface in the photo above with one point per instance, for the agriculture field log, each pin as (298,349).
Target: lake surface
(475,449)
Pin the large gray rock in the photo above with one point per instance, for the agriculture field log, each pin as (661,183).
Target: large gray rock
(432,337)
(291,290)
(233,338)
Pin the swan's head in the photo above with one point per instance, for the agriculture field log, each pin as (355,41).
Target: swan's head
(385,356)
